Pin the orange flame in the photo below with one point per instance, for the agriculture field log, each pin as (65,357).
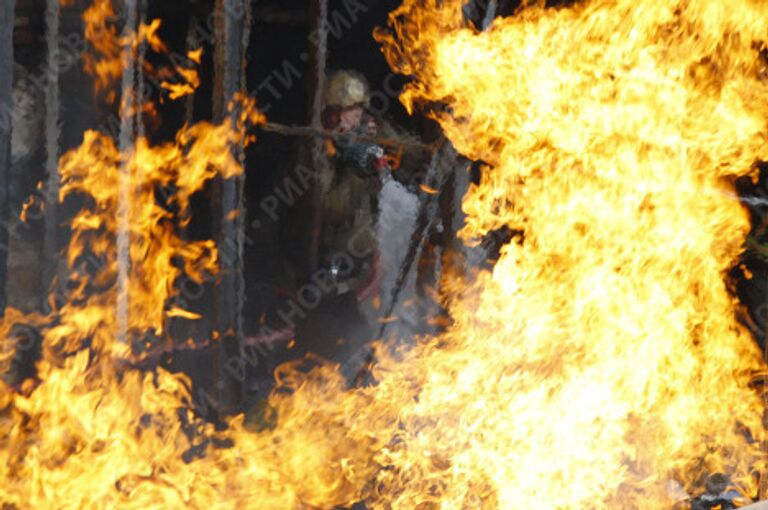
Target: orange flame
(104,63)
(110,53)
(601,358)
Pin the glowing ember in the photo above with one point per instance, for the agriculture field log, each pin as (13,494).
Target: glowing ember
(597,363)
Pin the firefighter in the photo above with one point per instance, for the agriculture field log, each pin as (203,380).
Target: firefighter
(350,206)
(338,328)
(373,184)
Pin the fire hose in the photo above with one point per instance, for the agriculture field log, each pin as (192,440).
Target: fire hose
(283,129)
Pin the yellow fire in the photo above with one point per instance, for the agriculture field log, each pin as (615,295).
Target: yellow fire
(158,255)
(599,363)
(104,63)
(601,357)
(110,53)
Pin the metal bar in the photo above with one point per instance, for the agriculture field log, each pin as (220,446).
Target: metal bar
(6,130)
(318,41)
(230,210)
(52,134)
(280,16)
(126,142)
(490,13)
(286,130)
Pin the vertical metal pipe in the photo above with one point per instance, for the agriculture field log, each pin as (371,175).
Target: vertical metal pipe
(490,13)
(52,135)
(318,42)
(232,39)
(6,129)
(126,142)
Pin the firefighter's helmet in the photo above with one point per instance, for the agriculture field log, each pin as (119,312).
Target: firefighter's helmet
(345,89)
